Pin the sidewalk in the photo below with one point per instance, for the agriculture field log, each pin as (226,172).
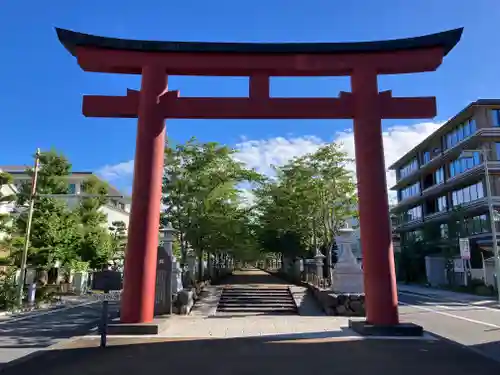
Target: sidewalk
(446,294)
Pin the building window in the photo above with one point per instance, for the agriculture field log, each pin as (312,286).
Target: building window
(426,157)
(461,165)
(468,194)
(472,126)
(72,189)
(412,214)
(439,176)
(460,133)
(414,235)
(442,204)
(495,117)
(477,224)
(410,191)
(408,169)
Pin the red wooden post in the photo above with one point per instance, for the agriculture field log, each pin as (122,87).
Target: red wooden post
(140,263)
(375,229)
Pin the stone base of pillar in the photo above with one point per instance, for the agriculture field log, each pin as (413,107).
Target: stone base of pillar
(120,329)
(364,328)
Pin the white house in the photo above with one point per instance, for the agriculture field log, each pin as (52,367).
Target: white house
(117,208)
(6,207)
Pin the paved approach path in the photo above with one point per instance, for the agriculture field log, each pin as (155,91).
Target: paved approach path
(206,323)
(292,344)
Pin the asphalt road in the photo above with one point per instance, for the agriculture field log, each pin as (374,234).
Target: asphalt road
(465,322)
(22,336)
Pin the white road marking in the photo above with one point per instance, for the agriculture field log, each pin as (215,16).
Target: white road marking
(451,315)
(42,313)
(476,304)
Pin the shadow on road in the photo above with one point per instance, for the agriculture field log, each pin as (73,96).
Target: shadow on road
(43,330)
(270,355)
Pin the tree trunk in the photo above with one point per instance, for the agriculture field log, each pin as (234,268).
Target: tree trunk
(329,269)
(200,266)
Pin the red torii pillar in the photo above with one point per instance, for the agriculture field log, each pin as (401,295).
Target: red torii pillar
(381,295)
(138,298)
(366,105)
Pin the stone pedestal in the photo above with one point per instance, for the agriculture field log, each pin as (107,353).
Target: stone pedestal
(318,261)
(176,276)
(79,282)
(191,269)
(347,274)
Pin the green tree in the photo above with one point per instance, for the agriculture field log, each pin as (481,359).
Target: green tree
(304,207)
(54,227)
(96,244)
(201,196)
(118,231)
(433,239)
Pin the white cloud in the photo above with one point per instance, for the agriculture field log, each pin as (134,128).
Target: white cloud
(117,171)
(262,154)
(398,140)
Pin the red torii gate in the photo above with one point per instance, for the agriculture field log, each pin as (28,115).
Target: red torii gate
(362,61)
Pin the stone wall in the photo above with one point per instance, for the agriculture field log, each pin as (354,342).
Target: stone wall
(184,300)
(339,304)
(332,304)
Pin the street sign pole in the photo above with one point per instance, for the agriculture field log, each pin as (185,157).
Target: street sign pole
(104,320)
(465,255)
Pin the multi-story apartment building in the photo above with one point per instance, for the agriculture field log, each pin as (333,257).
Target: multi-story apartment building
(117,208)
(435,177)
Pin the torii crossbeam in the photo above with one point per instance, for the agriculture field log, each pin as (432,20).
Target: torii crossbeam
(362,61)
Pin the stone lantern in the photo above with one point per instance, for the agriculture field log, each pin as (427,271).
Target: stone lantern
(318,261)
(347,274)
(167,238)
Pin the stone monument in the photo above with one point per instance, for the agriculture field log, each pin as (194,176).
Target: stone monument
(347,274)
(176,276)
(318,261)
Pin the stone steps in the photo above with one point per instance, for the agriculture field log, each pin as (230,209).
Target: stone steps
(255,300)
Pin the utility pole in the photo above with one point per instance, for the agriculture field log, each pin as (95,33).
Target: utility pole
(24,258)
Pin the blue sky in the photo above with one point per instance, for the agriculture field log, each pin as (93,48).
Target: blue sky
(42,85)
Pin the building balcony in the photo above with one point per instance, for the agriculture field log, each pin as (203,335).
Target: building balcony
(472,142)
(474,208)
(463,179)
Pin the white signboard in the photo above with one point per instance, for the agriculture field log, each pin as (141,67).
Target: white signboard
(111,296)
(464,248)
